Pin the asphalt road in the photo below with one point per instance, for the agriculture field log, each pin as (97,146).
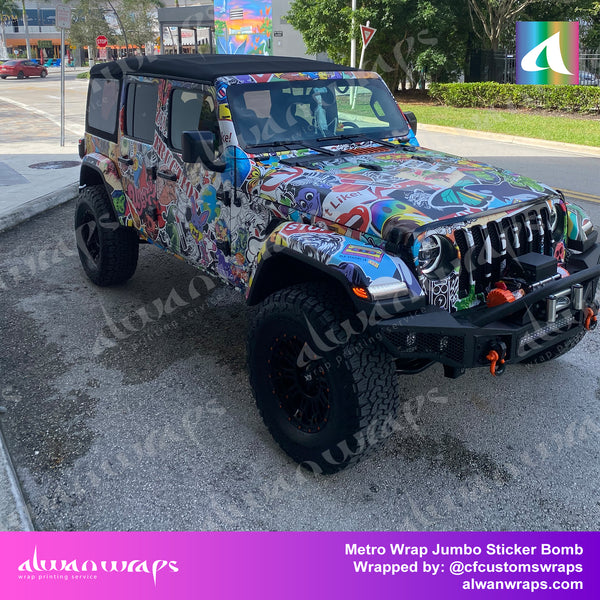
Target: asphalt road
(114,424)
(24,101)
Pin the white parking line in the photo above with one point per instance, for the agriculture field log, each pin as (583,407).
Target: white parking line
(73,128)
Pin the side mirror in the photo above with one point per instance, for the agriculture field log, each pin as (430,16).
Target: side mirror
(412,120)
(199,145)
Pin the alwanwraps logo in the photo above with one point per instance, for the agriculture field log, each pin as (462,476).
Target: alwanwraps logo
(547,52)
(75,566)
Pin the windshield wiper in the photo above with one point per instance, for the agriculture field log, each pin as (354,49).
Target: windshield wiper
(295,145)
(333,138)
(363,137)
(274,144)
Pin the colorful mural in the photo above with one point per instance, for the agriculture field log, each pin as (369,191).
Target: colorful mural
(244,26)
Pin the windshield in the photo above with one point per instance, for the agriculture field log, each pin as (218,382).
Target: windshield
(282,112)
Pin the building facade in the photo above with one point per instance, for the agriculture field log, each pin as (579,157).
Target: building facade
(44,36)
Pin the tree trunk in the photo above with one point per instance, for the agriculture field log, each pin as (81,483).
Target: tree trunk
(26,30)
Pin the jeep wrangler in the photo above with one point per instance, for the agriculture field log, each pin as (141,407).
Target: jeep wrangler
(302,184)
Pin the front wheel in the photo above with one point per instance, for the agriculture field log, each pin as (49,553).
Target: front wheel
(108,251)
(319,390)
(43,74)
(20,75)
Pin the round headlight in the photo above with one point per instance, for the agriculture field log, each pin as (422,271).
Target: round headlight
(556,221)
(437,257)
(579,224)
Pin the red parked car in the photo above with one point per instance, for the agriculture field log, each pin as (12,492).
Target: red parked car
(21,69)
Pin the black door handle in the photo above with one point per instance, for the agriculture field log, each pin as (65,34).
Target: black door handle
(167,175)
(125,160)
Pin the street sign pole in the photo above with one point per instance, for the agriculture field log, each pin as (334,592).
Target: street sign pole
(63,21)
(62,87)
(367,34)
(353,39)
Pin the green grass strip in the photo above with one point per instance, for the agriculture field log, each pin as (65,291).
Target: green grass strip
(544,127)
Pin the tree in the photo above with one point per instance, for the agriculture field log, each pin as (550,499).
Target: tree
(139,22)
(591,35)
(88,23)
(324,25)
(587,12)
(491,17)
(8,9)
(414,37)
(135,22)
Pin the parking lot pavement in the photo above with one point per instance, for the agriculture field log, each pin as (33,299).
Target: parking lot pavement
(14,515)
(36,172)
(129,409)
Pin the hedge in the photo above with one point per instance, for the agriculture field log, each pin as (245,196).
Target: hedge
(489,94)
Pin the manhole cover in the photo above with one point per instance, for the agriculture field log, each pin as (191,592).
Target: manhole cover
(56,164)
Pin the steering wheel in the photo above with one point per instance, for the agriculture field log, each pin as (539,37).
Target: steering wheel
(303,127)
(342,87)
(350,124)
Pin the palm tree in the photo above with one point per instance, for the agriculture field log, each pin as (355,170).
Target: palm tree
(7,9)
(26,29)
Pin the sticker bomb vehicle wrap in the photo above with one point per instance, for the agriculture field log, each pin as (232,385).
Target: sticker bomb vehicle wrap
(301,184)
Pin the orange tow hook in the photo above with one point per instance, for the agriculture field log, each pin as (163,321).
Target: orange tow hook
(591,320)
(497,366)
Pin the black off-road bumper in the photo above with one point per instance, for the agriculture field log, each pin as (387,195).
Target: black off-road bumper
(548,315)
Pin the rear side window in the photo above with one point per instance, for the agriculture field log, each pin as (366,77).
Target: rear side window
(141,111)
(103,106)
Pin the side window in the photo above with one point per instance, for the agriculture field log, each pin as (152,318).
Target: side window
(192,110)
(140,111)
(103,106)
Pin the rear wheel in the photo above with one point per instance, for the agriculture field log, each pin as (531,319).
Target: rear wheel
(319,397)
(108,251)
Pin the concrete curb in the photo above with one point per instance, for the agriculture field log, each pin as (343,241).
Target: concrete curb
(20,512)
(514,139)
(38,205)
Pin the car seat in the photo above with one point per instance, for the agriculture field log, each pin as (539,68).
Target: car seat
(324,111)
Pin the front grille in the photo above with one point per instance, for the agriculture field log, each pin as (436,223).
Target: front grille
(485,249)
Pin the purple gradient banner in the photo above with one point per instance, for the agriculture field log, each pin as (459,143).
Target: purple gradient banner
(294,566)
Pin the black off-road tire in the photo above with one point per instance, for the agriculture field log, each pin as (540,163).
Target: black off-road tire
(329,412)
(556,350)
(108,251)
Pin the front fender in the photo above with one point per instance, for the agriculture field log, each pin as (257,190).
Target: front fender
(353,264)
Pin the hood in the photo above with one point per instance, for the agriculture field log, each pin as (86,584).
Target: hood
(366,189)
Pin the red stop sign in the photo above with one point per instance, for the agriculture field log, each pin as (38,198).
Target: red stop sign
(101,41)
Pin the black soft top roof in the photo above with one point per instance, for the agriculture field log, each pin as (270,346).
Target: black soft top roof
(207,67)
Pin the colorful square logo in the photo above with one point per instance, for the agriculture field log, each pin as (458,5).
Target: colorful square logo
(547,52)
